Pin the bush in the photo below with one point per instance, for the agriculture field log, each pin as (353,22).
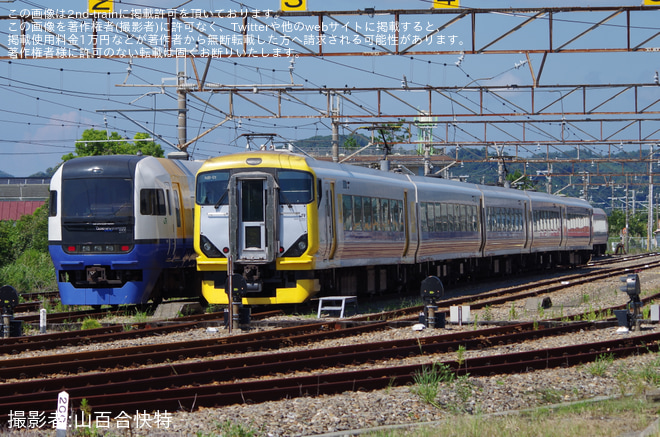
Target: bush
(90,324)
(32,271)
(29,232)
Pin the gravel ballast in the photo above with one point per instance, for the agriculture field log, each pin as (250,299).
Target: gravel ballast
(401,406)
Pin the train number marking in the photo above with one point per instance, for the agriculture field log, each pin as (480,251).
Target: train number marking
(293,5)
(100,6)
(439,4)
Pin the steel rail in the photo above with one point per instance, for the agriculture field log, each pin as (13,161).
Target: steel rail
(180,387)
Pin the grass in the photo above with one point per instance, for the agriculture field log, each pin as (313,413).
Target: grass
(427,382)
(607,418)
(612,417)
(231,429)
(600,365)
(90,324)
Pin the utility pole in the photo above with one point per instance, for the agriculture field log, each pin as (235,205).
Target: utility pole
(182,119)
(649,227)
(335,128)
(501,177)
(627,214)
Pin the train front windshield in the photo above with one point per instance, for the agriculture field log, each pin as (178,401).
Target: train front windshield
(212,188)
(102,197)
(295,187)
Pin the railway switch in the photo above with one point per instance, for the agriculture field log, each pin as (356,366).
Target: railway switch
(9,300)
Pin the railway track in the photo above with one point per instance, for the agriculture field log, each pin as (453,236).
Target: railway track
(15,345)
(206,382)
(212,382)
(140,330)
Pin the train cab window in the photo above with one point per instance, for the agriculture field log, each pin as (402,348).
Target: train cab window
(296,187)
(97,197)
(212,188)
(152,201)
(52,204)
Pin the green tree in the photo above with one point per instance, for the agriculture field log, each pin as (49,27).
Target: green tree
(521,182)
(637,223)
(98,142)
(30,232)
(24,260)
(389,133)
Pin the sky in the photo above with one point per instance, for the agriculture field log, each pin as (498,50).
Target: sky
(48,103)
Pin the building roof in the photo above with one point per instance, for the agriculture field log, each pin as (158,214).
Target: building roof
(15,209)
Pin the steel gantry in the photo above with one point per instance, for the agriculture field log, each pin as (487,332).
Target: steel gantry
(264,32)
(513,117)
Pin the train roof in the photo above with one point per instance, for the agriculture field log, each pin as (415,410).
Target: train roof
(120,166)
(268,158)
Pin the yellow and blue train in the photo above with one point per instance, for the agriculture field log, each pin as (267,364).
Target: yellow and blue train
(292,226)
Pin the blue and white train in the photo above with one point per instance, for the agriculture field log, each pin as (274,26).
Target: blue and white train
(293,226)
(120,229)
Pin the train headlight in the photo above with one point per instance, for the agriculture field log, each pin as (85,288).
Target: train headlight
(297,248)
(208,248)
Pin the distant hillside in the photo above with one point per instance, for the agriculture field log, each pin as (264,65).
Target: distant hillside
(324,143)
(5,175)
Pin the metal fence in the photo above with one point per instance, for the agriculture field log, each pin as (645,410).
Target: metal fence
(634,244)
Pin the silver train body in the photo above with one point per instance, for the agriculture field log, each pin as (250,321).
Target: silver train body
(362,230)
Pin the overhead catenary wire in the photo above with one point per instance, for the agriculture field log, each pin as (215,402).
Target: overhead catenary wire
(373,73)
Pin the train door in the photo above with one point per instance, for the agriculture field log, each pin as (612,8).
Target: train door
(331,237)
(564,226)
(177,219)
(406,224)
(170,233)
(525,225)
(252,223)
